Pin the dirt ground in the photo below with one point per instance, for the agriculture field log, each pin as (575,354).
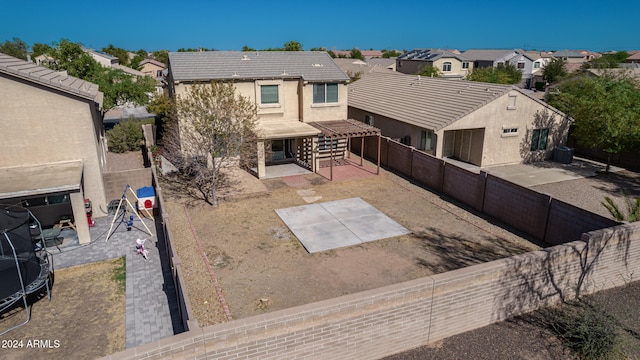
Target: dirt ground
(261,266)
(85,318)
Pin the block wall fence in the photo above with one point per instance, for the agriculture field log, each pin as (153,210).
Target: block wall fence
(384,321)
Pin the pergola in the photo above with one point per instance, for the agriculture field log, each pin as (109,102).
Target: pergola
(348,128)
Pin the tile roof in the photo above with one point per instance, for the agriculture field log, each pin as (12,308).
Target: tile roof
(635,56)
(430,103)
(568,54)
(50,78)
(431,55)
(486,55)
(355,65)
(237,65)
(154,62)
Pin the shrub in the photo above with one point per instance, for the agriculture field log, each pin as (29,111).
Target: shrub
(125,136)
(585,328)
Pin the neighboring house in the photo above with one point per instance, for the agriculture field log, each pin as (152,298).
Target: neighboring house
(492,58)
(358,68)
(293,91)
(52,147)
(103,59)
(479,123)
(570,57)
(634,58)
(367,54)
(386,63)
(153,68)
(540,60)
(589,55)
(448,63)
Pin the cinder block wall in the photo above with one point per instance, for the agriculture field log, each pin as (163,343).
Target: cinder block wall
(392,319)
(567,222)
(115,182)
(456,178)
(517,206)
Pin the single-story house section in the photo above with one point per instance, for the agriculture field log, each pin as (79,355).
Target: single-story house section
(479,123)
(52,150)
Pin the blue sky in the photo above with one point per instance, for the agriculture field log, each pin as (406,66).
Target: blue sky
(228,25)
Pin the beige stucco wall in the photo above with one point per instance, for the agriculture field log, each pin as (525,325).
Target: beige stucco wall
(456,67)
(290,107)
(501,113)
(41,126)
(488,123)
(329,111)
(151,69)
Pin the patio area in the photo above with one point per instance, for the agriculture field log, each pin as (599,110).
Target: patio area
(151,306)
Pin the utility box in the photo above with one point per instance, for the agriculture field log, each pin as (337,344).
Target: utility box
(563,155)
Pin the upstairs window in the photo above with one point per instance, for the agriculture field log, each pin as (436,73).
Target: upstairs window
(325,93)
(520,65)
(269,94)
(446,66)
(536,65)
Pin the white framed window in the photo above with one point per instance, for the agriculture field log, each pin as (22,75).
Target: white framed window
(269,94)
(446,66)
(539,138)
(512,102)
(536,65)
(325,93)
(520,65)
(465,65)
(509,131)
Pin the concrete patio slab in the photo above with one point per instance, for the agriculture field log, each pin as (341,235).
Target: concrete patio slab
(336,224)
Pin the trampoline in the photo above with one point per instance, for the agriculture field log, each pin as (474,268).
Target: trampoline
(24,262)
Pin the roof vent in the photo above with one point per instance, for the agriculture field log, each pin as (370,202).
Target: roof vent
(235,73)
(245,57)
(317,65)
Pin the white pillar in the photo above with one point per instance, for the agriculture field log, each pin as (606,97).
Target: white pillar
(262,171)
(80,217)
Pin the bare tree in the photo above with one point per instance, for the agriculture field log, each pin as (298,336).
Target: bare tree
(214,127)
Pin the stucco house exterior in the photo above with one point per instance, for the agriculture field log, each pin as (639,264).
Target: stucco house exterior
(292,91)
(450,64)
(151,67)
(478,123)
(52,149)
(482,58)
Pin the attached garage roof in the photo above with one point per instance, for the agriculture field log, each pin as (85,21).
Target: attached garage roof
(42,179)
(285,129)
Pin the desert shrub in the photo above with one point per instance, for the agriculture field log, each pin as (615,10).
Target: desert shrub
(584,328)
(125,136)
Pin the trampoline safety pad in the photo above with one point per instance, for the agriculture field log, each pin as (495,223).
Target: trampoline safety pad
(335,224)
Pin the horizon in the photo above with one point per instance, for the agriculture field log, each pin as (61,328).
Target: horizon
(570,25)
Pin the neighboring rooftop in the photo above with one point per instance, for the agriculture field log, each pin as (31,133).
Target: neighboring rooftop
(567,54)
(354,66)
(430,103)
(58,80)
(152,61)
(486,54)
(431,55)
(237,65)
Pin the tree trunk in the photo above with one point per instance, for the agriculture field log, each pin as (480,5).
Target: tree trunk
(214,178)
(606,170)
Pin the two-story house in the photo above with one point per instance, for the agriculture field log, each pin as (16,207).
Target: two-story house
(492,58)
(292,91)
(52,148)
(449,64)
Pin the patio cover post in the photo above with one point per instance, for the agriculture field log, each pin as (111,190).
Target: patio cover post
(361,150)
(379,142)
(331,158)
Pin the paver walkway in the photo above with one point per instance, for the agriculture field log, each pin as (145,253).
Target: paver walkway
(151,306)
